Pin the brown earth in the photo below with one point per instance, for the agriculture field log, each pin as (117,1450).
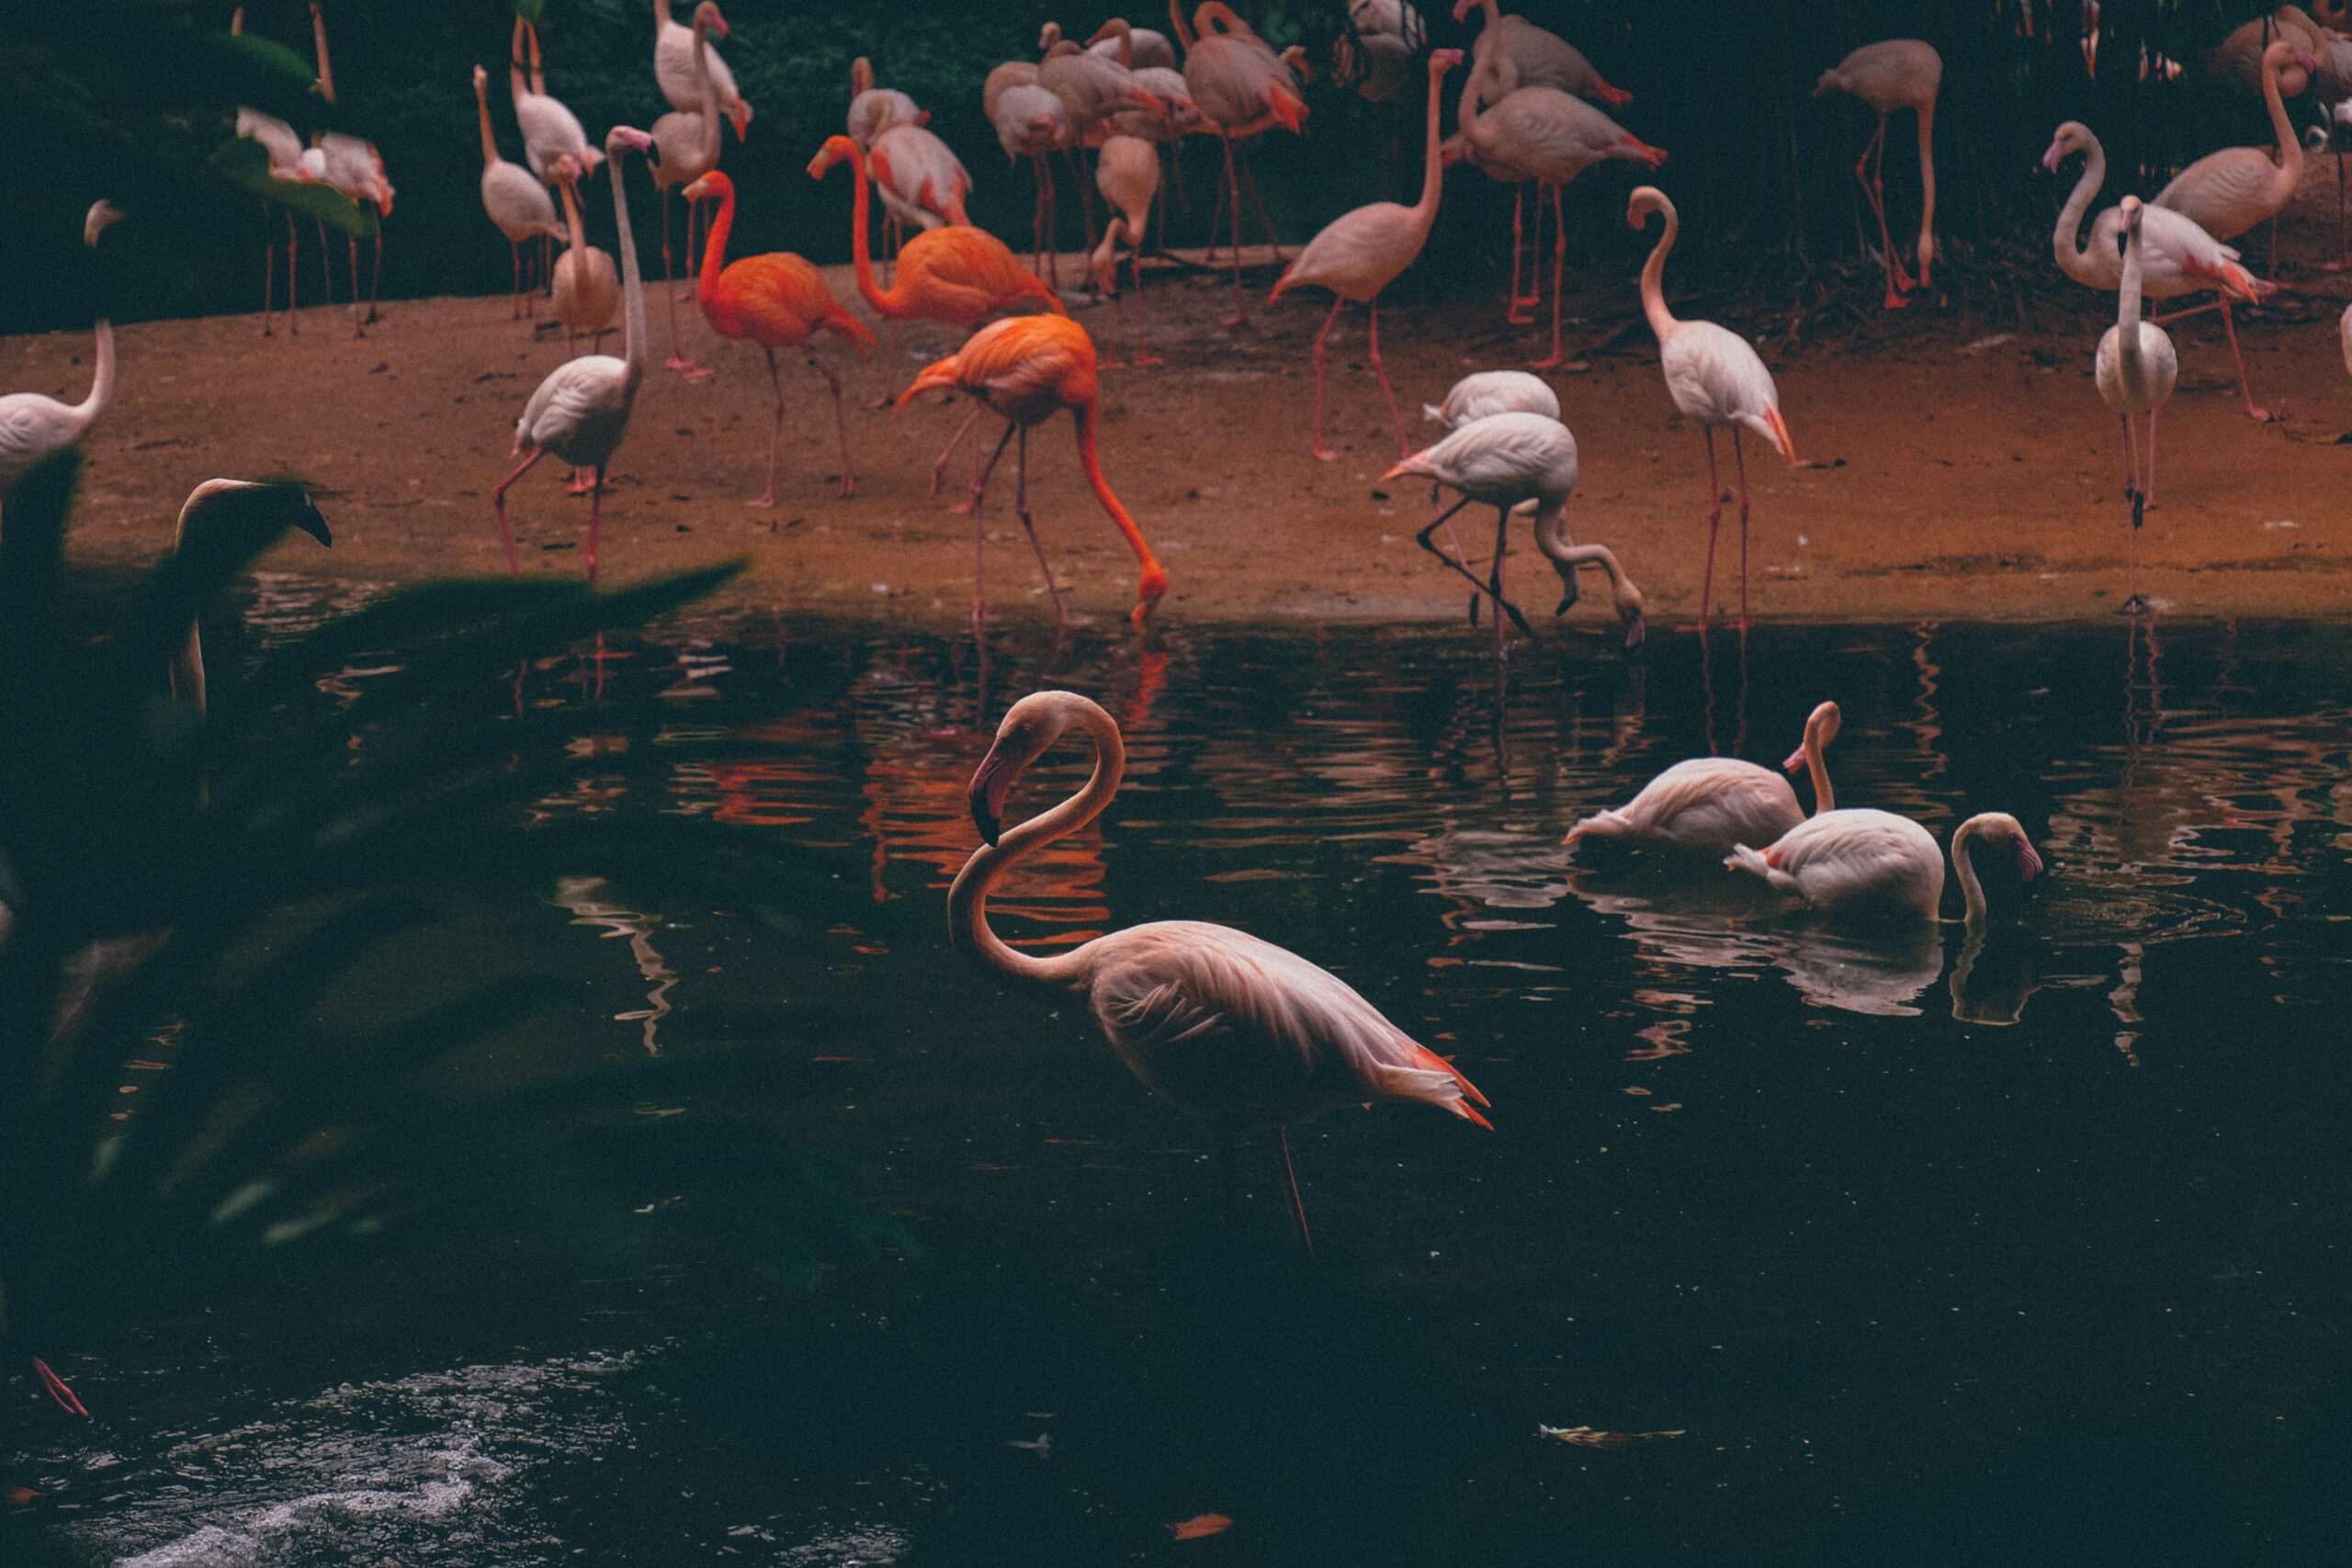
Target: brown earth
(1951,470)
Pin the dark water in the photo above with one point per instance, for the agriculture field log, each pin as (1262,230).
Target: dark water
(1919,1253)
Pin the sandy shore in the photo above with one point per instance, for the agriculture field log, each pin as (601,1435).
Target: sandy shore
(1953,468)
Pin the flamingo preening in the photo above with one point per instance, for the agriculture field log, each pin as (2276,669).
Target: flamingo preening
(1126,171)
(2135,369)
(777,300)
(1864,862)
(517,203)
(1138,48)
(1360,253)
(1028,369)
(1715,377)
(872,109)
(1032,123)
(1898,73)
(2177,256)
(689,145)
(32,425)
(580,412)
(1236,1031)
(1712,805)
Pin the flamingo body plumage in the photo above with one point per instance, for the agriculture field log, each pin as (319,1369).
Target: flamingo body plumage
(1484,392)
(32,425)
(1712,805)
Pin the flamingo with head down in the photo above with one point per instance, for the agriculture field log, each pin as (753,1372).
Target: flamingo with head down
(1876,864)
(1712,805)
(1898,73)
(1231,1030)
(1126,171)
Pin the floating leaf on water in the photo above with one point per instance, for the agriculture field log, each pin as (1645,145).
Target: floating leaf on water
(1201,1526)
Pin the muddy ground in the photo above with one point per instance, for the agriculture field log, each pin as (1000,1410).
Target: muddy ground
(1956,467)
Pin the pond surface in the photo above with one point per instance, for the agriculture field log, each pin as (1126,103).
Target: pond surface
(1841,1251)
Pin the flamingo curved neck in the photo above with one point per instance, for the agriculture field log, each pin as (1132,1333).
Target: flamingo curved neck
(1432,166)
(1662,319)
(2074,253)
(517,88)
(1176,19)
(967,913)
(1817,766)
(2290,146)
(1964,865)
(488,143)
(860,250)
(1927,183)
(1147,564)
(632,284)
(575,231)
(709,85)
(714,248)
(2127,311)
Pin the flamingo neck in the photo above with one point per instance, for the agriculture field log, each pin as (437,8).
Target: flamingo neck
(633,284)
(517,88)
(1964,865)
(1176,19)
(861,258)
(2074,253)
(968,900)
(1927,183)
(2127,310)
(1154,581)
(575,231)
(488,142)
(1816,764)
(714,247)
(318,38)
(1662,319)
(1432,167)
(1126,37)
(538,66)
(2290,146)
(101,381)
(662,20)
(710,85)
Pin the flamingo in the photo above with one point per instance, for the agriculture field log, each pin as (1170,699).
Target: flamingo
(2135,370)
(921,181)
(2177,256)
(215,512)
(958,274)
(688,139)
(1484,392)
(550,131)
(872,109)
(283,148)
(1126,171)
(1375,55)
(1858,861)
(680,79)
(1240,87)
(32,425)
(1711,805)
(1898,73)
(1544,134)
(1715,378)
(587,289)
(2239,57)
(517,203)
(2332,86)
(777,300)
(580,412)
(1093,87)
(355,168)
(1359,254)
(1032,123)
(1138,48)
(1502,461)
(1234,1030)
(1027,369)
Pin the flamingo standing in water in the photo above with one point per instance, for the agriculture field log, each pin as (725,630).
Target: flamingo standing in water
(1874,863)
(1544,135)
(1359,254)
(1712,805)
(1126,171)
(1502,461)
(517,203)
(580,412)
(1028,369)
(2135,370)
(688,139)
(33,425)
(1234,1030)
(2176,257)
(1714,377)
(777,300)
(1898,73)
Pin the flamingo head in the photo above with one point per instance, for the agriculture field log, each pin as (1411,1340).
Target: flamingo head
(629,138)
(1443,60)
(1048,36)
(1645,200)
(1027,733)
(239,516)
(1831,81)
(836,150)
(2066,145)
(713,184)
(2134,214)
(102,214)
(739,115)
(1820,730)
(1462,9)
(481,80)
(2000,828)
(707,18)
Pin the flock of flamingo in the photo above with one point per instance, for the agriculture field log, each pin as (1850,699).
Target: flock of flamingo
(1241,1033)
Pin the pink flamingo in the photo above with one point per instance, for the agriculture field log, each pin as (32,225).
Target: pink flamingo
(1241,87)
(1126,171)
(1544,135)
(1712,805)
(1874,863)
(1898,73)
(1032,123)
(2135,369)
(1234,1030)
(681,79)
(580,412)
(690,145)
(2177,256)
(1715,378)
(873,110)
(1484,392)
(33,424)
(517,203)
(1359,254)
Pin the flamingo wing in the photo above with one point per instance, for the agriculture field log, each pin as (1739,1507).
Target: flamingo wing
(1705,804)
(1715,374)
(581,409)
(1502,459)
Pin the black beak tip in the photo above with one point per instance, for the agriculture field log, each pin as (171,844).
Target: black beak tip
(1567,604)
(316,526)
(990,828)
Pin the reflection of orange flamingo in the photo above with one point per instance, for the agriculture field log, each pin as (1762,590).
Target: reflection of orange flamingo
(1234,1030)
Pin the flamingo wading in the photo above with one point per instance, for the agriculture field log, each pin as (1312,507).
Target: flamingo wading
(1712,805)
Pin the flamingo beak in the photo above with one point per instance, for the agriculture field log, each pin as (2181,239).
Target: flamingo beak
(740,118)
(2050,159)
(2028,863)
(1795,764)
(990,784)
(315,526)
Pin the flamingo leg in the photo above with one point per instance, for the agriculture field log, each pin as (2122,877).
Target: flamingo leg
(1453,562)
(1874,192)
(358,321)
(1559,264)
(2343,222)
(498,500)
(1233,184)
(939,469)
(1290,1186)
(515,305)
(841,425)
(1380,372)
(1216,211)
(326,278)
(269,283)
(979,535)
(775,432)
(1714,521)
(595,519)
(1076,158)
(292,244)
(1739,458)
(2150,488)
(59,1393)
(375,274)
(1495,578)
(1029,524)
(2131,459)
(2229,330)
(1517,231)
(1258,205)
(1321,451)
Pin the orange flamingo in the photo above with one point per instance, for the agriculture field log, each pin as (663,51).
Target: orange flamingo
(956,274)
(777,300)
(1028,369)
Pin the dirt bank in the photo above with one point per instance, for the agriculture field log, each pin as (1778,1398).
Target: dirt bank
(1954,468)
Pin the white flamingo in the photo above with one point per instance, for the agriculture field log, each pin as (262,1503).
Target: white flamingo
(1712,805)
(2135,370)
(283,148)
(1896,74)
(689,144)
(1714,377)
(674,69)
(1234,1030)
(873,110)
(33,425)
(1484,392)
(580,412)
(1864,861)
(517,203)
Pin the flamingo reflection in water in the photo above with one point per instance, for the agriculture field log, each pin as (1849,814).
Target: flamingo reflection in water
(1234,1030)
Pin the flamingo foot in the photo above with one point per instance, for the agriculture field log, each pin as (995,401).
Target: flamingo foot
(765,499)
(2135,605)
(1324,453)
(961,509)
(2333,266)
(1549,361)
(1896,302)
(1146,361)
(849,486)
(582,483)
(2259,415)
(1235,319)
(59,1393)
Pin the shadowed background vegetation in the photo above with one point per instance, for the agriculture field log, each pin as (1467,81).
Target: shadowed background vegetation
(130,98)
